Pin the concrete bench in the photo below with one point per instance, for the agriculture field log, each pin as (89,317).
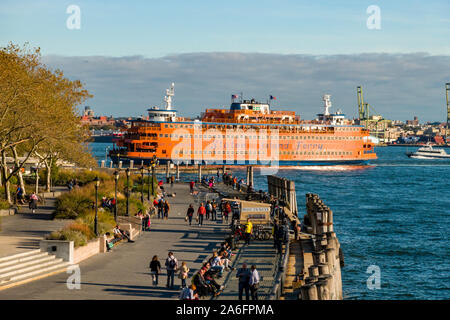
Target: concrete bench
(133,232)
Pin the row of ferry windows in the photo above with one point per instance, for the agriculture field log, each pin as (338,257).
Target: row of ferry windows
(255,137)
(318,153)
(190,126)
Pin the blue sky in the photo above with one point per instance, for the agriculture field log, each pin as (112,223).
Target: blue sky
(128,52)
(158,28)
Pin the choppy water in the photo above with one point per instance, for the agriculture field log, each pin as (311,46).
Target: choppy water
(394,214)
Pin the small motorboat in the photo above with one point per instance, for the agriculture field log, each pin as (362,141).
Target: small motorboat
(428,152)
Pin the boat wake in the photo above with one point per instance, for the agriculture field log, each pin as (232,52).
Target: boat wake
(327,168)
(412,165)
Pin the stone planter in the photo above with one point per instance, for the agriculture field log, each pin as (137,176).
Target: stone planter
(8,212)
(66,251)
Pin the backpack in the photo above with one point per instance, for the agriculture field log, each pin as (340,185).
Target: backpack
(172,263)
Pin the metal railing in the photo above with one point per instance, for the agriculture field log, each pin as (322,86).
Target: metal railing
(280,275)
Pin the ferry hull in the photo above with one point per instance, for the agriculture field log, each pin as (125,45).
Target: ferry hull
(291,163)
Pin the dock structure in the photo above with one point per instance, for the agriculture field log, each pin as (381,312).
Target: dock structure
(309,267)
(316,257)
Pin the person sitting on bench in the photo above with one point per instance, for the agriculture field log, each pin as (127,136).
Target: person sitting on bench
(121,234)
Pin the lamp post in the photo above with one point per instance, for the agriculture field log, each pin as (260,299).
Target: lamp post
(97,184)
(148,190)
(127,171)
(142,184)
(37,180)
(153,164)
(116,181)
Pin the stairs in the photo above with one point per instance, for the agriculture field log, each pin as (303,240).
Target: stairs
(29,266)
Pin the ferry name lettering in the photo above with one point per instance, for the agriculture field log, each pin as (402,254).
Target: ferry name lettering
(312,146)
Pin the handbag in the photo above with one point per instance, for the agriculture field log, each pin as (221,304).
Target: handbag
(186,219)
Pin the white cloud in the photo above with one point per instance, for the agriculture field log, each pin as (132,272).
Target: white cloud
(398,86)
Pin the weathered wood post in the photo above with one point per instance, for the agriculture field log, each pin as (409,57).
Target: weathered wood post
(178,171)
(120,164)
(102,164)
(199,172)
(167,169)
(309,292)
(250,176)
(313,270)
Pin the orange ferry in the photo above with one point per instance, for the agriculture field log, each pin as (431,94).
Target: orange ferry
(249,132)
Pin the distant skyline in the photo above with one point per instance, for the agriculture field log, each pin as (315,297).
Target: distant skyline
(128,52)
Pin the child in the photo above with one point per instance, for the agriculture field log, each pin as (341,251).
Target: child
(183,274)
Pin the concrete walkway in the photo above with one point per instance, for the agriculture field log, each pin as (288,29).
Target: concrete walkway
(24,230)
(264,257)
(123,273)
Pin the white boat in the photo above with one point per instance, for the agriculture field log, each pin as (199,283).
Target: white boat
(427,152)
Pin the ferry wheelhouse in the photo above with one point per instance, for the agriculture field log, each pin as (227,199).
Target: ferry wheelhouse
(248,132)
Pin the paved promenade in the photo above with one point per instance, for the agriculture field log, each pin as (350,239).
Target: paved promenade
(123,273)
(24,230)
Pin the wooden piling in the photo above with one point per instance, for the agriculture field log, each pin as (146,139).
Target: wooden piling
(168,169)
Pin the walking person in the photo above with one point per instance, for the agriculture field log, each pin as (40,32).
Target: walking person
(171,266)
(161,208)
(201,214)
(244,278)
(208,208)
(155,269)
(190,213)
(279,239)
(254,282)
(172,180)
(214,210)
(33,202)
(248,231)
(191,186)
(166,209)
(184,271)
(227,210)
(19,194)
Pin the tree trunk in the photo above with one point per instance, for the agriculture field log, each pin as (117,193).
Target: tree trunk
(19,173)
(4,175)
(49,176)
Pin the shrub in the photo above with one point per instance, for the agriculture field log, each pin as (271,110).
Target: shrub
(77,237)
(64,176)
(82,227)
(4,205)
(106,221)
(70,205)
(134,206)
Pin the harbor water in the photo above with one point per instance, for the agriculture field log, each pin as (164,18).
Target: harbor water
(392,214)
